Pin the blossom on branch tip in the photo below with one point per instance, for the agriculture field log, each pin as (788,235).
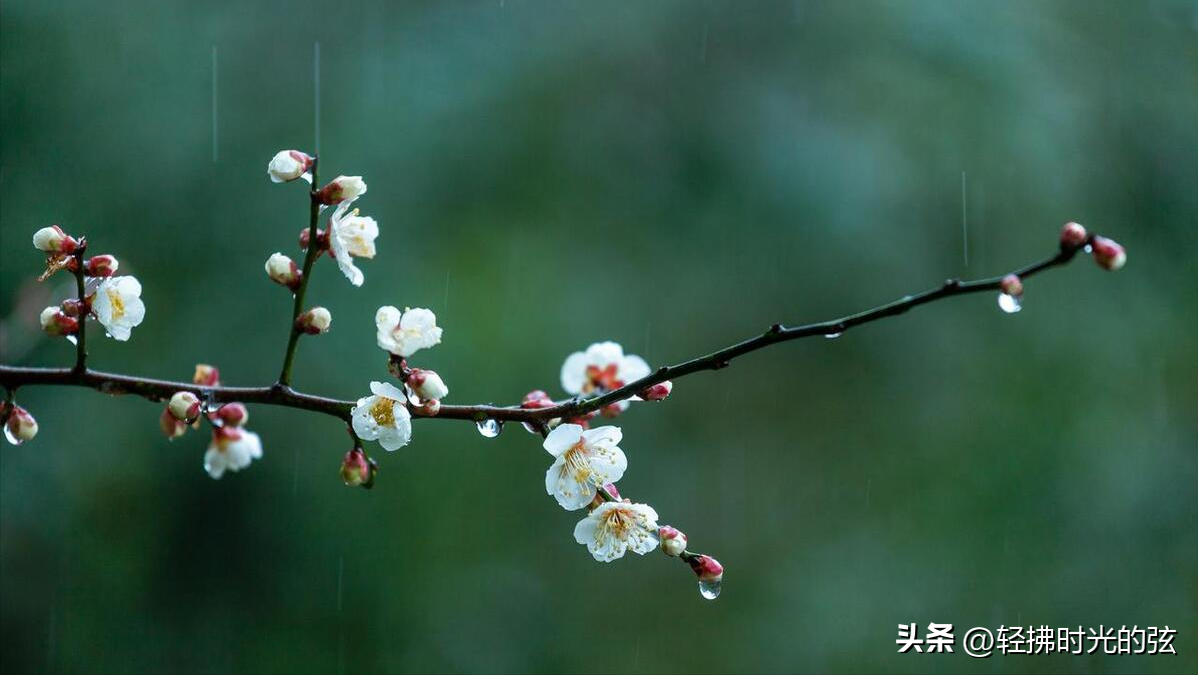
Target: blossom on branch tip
(185,406)
(342,188)
(351,236)
(314,321)
(288,165)
(232,449)
(673,540)
(657,392)
(1011,285)
(283,271)
(1072,235)
(615,527)
(707,568)
(407,333)
(21,426)
(53,240)
(101,266)
(118,306)
(383,417)
(357,469)
(55,322)
(206,375)
(601,368)
(1108,254)
(584,460)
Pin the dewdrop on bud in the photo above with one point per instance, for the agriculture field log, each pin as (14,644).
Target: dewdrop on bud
(53,240)
(288,165)
(1072,235)
(172,427)
(233,414)
(314,321)
(673,540)
(341,189)
(283,271)
(206,375)
(357,470)
(710,573)
(184,406)
(657,392)
(55,322)
(427,384)
(20,426)
(1108,254)
(101,266)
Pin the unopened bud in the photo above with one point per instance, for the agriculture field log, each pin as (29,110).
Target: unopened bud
(610,488)
(673,540)
(288,165)
(184,406)
(357,469)
(427,384)
(283,271)
(1072,235)
(21,426)
(172,427)
(707,568)
(314,321)
(53,240)
(101,266)
(341,189)
(206,375)
(658,392)
(55,322)
(322,240)
(536,399)
(233,414)
(1011,285)
(1108,253)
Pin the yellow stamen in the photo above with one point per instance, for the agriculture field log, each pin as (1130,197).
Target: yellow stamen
(383,411)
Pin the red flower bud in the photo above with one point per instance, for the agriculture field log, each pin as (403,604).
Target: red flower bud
(707,568)
(658,392)
(536,399)
(233,414)
(1108,253)
(206,375)
(172,427)
(1072,235)
(1011,285)
(357,469)
(101,266)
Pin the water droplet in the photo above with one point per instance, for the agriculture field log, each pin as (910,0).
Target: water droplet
(1088,249)
(710,590)
(490,428)
(830,336)
(413,399)
(1009,303)
(72,339)
(530,428)
(10,437)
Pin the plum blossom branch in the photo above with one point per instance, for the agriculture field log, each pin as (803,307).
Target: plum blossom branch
(305,275)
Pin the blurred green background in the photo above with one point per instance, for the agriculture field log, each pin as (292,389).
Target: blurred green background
(673,176)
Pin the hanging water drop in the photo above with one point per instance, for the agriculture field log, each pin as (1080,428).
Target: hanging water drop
(530,428)
(1009,303)
(830,336)
(710,590)
(11,437)
(72,339)
(490,428)
(1088,249)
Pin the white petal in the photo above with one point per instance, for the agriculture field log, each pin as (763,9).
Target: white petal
(387,317)
(609,464)
(632,368)
(606,436)
(574,373)
(603,354)
(584,531)
(214,462)
(571,495)
(562,438)
(387,390)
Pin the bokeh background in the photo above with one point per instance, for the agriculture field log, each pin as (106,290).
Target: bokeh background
(673,176)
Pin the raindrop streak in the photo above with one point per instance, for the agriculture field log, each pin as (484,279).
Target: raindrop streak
(490,428)
(1009,303)
(316,93)
(214,145)
(11,438)
(710,590)
(831,336)
(964,223)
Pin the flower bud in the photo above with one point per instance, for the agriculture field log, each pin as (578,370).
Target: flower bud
(322,240)
(172,427)
(21,426)
(314,321)
(206,375)
(1108,253)
(1072,235)
(611,490)
(357,469)
(283,271)
(427,384)
(101,266)
(55,322)
(233,414)
(53,240)
(673,540)
(536,399)
(1011,285)
(341,189)
(707,568)
(287,165)
(657,392)
(184,406)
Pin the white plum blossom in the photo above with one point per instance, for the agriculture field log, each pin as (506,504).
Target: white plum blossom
(342,188)
(405,334)
(584,460)
(118,306)
(602,367)
(288,165)
(232,449)
(614,527)
(351,236)
(383,417)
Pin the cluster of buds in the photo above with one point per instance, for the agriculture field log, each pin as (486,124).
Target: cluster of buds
(358,470)
(1108,253)
(314,321)
(232,447)
(19,425)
